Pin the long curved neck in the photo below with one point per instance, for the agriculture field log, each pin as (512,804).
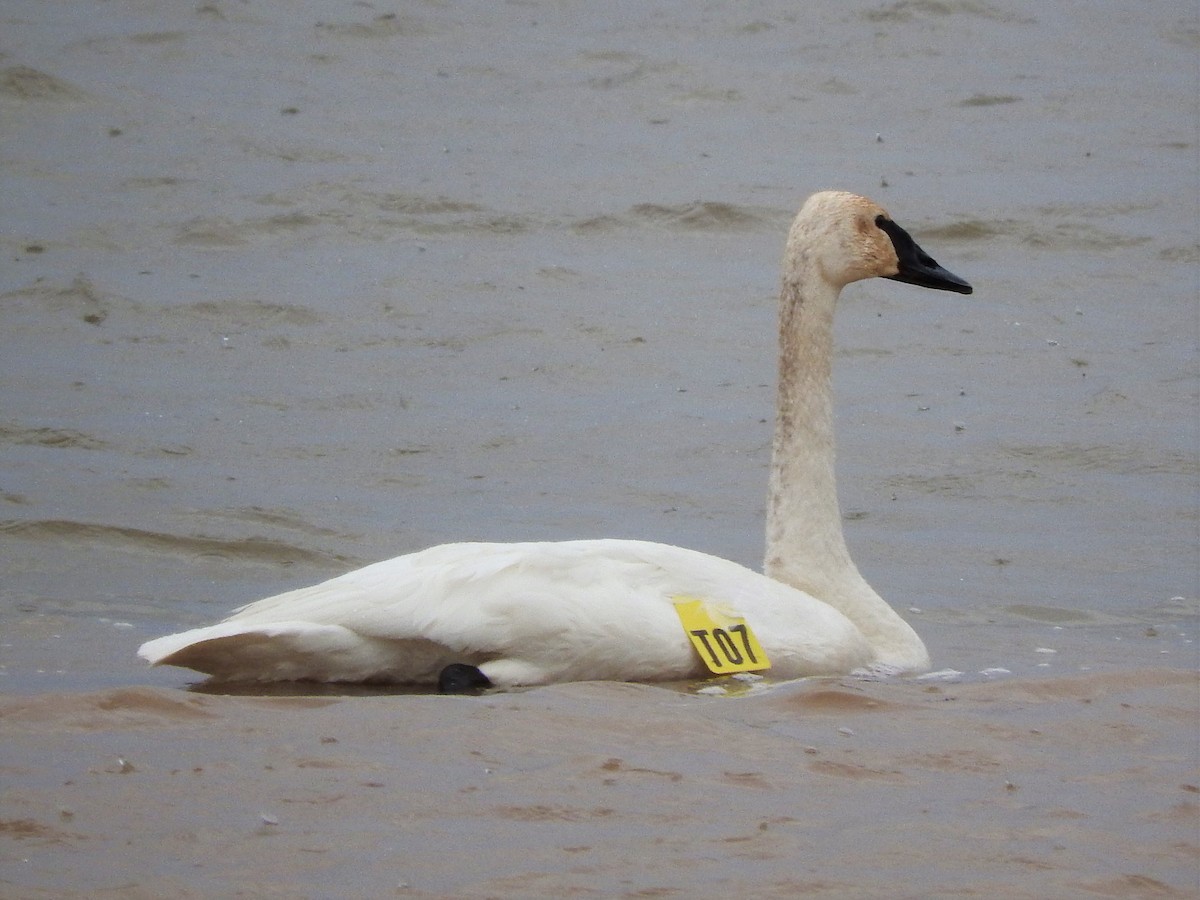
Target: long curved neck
(805,545)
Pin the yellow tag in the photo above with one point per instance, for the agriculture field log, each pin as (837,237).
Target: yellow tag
(722,638)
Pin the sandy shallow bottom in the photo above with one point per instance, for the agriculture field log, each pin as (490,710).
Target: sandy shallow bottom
(1075,786)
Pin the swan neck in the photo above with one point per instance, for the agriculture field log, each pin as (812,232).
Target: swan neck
(805,545)
(806,548)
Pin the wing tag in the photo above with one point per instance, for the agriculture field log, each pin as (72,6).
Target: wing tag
(721,637)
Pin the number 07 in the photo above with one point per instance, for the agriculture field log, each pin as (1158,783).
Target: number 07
(730,655)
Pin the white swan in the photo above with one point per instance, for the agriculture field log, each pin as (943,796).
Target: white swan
(473,615)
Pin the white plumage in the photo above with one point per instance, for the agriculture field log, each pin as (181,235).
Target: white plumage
(524,613)
(535,613)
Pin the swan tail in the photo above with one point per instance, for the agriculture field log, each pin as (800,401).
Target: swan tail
(299,651)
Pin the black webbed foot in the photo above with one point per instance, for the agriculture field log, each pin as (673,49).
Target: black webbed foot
(459,678)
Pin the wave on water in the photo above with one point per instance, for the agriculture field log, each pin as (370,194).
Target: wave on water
(250,549)
(25,84)
(1061,235)
(697,216)
(66,438)
(1101,458)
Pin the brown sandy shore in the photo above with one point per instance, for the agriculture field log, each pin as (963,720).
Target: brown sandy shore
(1073,786)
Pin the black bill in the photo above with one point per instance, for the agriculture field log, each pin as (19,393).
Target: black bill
(916,266)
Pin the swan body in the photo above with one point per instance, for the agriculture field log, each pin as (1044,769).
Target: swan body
(472,614)
(528,613)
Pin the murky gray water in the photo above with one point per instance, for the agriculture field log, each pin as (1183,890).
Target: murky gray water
(295,287)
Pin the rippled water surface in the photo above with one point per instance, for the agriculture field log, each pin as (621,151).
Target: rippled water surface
(293,287)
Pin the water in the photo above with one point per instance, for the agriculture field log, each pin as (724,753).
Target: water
(292,288)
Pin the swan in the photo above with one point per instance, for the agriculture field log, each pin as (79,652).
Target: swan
(469,616)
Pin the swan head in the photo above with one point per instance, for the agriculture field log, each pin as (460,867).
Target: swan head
(849,238)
